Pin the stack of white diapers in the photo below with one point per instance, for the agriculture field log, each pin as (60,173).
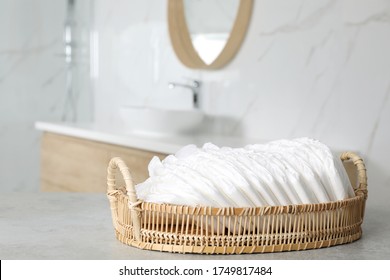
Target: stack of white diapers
(282,172)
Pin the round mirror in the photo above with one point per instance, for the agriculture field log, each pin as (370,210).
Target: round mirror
(206,34)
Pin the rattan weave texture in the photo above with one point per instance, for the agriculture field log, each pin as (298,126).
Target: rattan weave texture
(209,230)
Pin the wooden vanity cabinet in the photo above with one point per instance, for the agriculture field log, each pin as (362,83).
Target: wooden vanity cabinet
(71,164)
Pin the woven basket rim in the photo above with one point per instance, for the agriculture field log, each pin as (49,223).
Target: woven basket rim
(262,210)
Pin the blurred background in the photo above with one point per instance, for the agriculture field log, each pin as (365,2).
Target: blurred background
(305,68)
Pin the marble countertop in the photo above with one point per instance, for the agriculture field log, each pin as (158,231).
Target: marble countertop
(167,144)
(79,226)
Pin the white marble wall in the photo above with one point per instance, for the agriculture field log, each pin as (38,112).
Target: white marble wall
(32,85)
(307,68)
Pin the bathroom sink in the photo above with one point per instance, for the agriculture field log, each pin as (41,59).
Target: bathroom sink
(147,120)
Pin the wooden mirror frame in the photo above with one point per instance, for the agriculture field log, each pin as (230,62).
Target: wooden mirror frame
(181,40)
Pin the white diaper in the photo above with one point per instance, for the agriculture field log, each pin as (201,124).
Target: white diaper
(283,172)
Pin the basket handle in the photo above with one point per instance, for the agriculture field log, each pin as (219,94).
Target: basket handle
(112,191)
(361,169)
(115,163)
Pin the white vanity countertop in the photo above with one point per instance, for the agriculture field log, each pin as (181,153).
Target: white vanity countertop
(156,143)
(79,226)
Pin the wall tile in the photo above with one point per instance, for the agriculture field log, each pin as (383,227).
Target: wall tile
(32,85)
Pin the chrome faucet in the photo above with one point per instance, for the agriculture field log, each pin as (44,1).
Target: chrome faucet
(193,86)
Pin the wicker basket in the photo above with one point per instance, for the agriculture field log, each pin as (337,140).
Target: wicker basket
(208,230)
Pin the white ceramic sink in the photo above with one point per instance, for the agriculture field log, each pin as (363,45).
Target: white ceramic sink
(148,120)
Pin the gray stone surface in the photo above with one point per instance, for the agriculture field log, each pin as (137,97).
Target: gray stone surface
(78,226)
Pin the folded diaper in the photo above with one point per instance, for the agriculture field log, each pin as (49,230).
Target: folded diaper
(282,172)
